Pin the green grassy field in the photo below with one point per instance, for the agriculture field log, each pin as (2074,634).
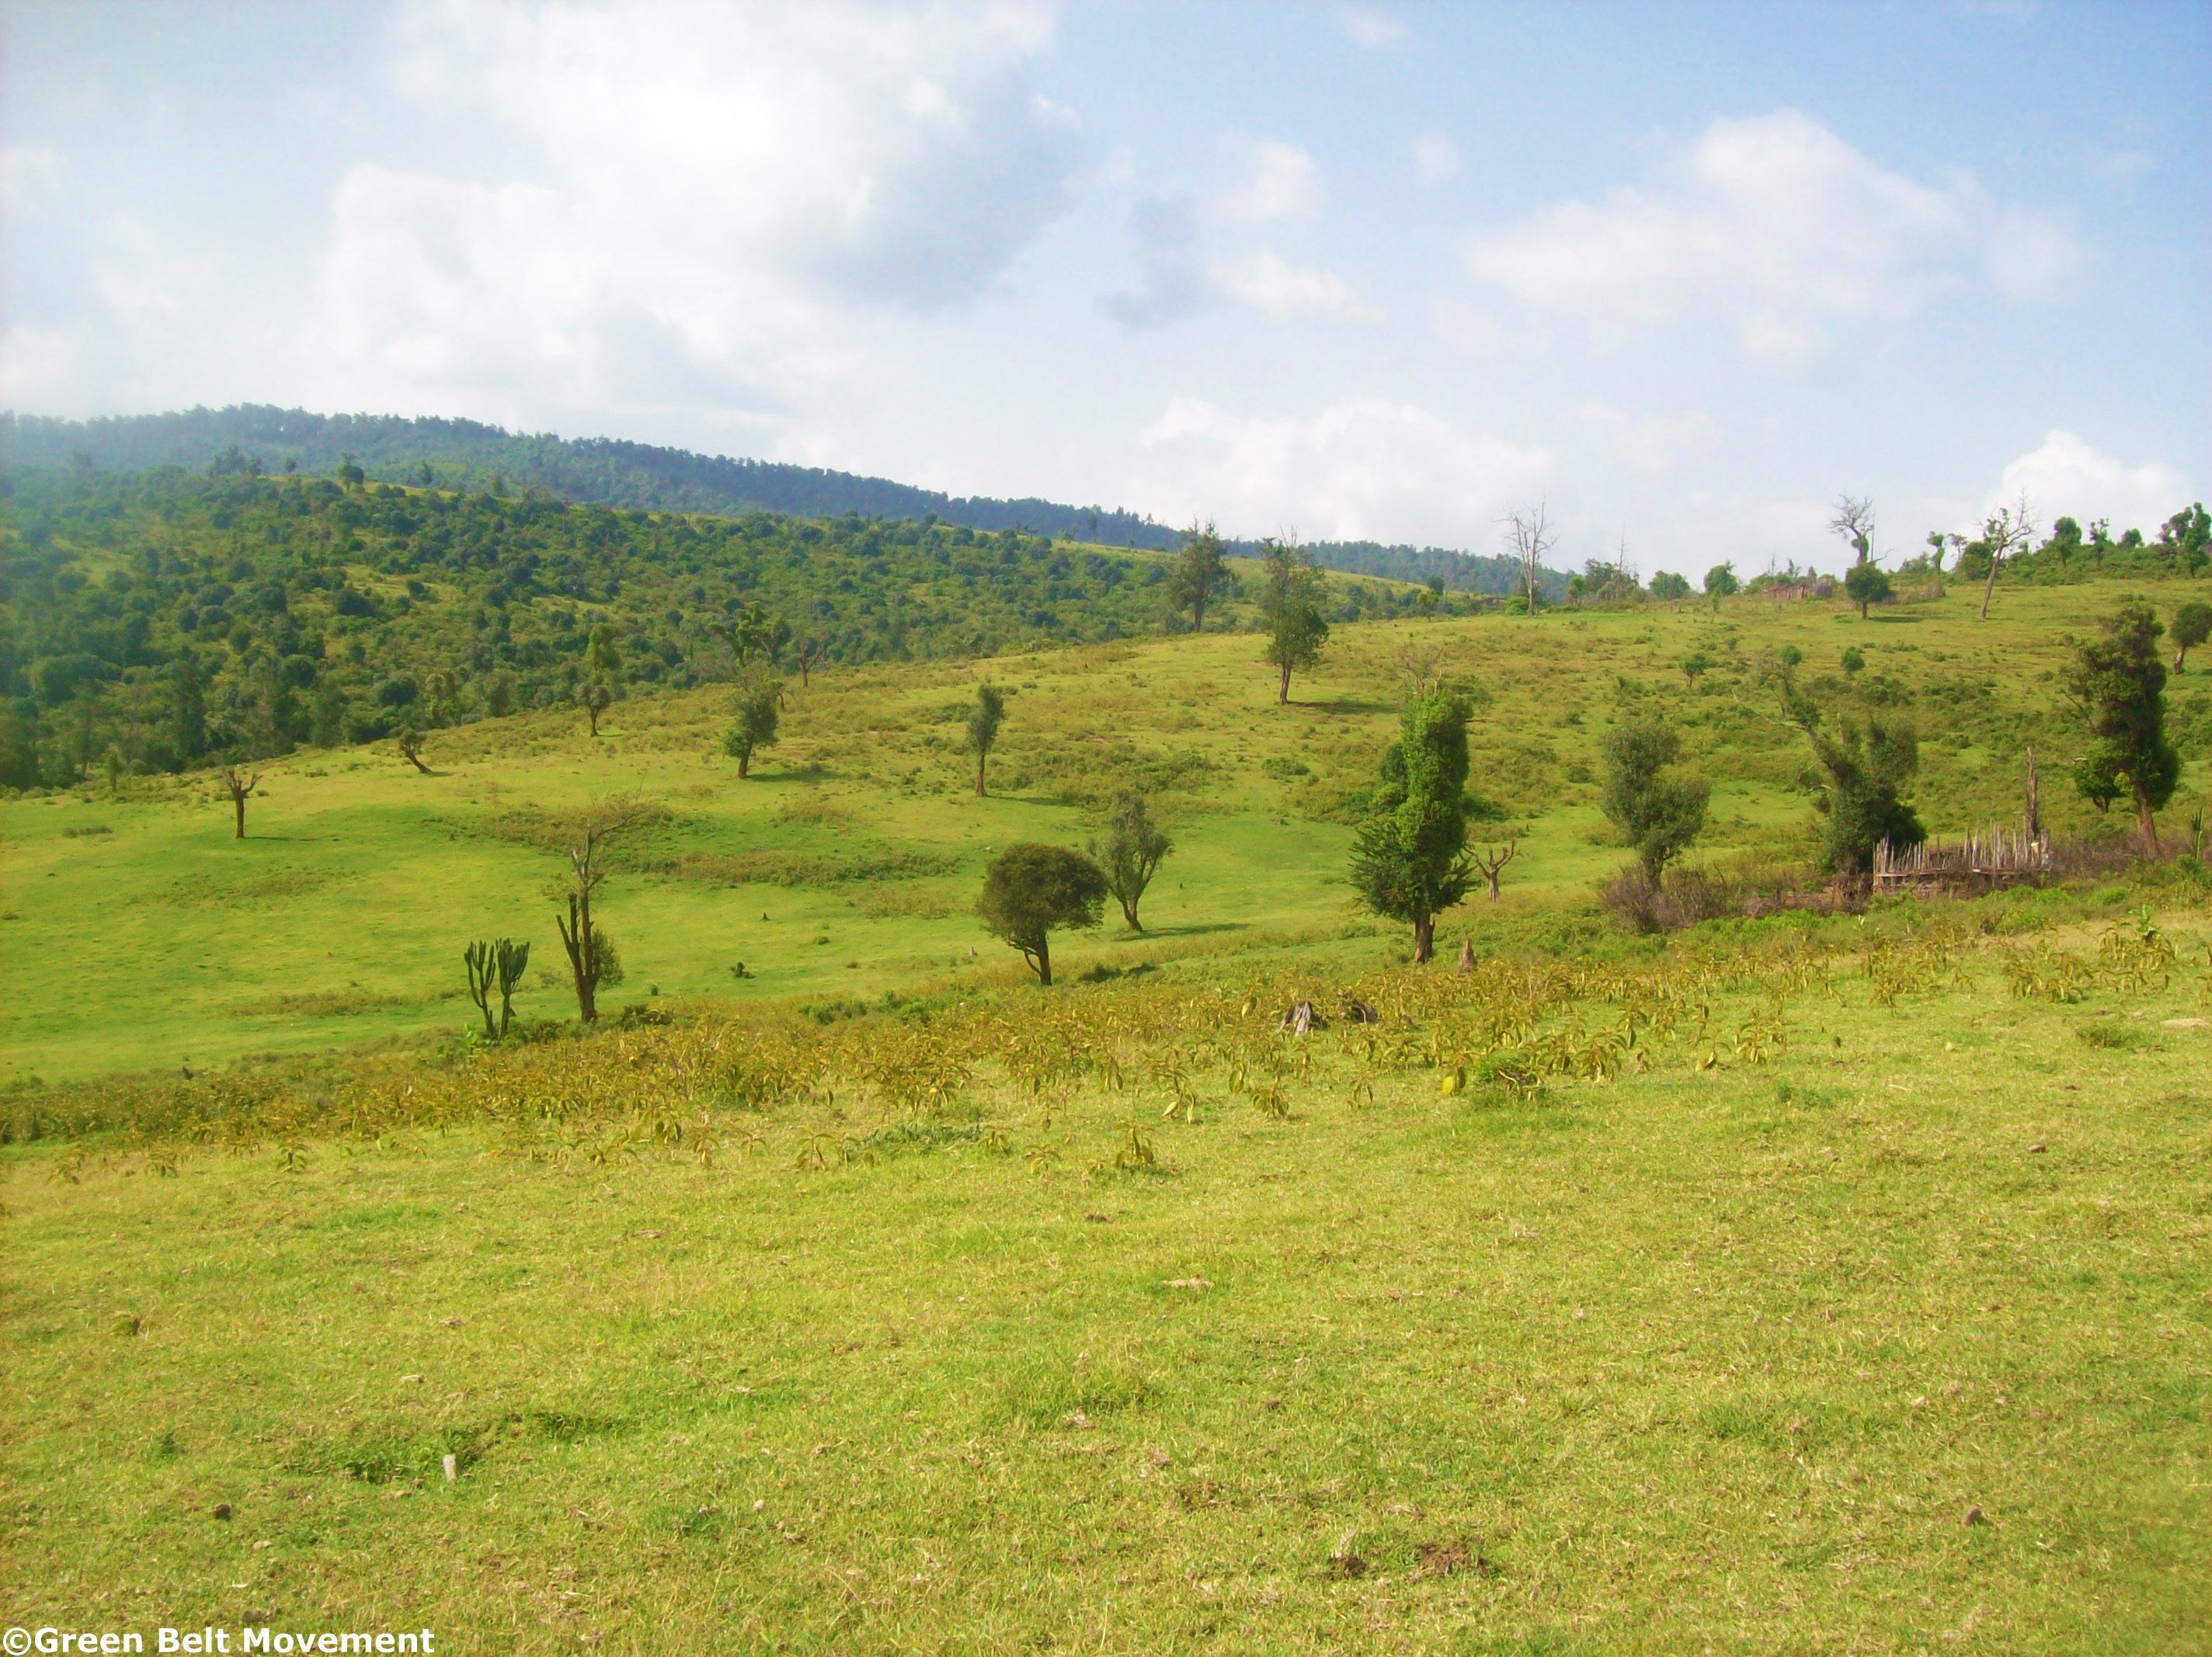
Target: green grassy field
(144,938)
(1890,1337)
(1797,1285)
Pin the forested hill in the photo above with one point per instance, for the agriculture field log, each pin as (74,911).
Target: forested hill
(467,455)
(163,619)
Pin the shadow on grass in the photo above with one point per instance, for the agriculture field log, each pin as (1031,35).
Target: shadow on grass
(1195,929)
(813,771)
(1345,705)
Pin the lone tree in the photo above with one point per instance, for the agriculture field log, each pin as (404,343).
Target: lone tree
(1128,848)
(2192,625)
(1857,781)
(1854,521)
(597,697)
(2119,684)
(602,660)
(408,737)
(238,785)
(1865,584)
(983,722)
(1289,610)
(1658,814)
(592,962)
(1409,860)
(1529,529)
(758,712)
(1493,859)
(1031,890)
(1200,572)
(2005,532)
(1721,583)
(495,969)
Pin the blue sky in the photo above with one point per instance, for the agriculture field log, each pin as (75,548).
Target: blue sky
(1684,273)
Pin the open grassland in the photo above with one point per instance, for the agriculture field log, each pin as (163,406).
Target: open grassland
(1830,1286)
(141,937)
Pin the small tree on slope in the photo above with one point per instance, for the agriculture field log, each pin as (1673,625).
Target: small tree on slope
(2119,684)
(1409,861)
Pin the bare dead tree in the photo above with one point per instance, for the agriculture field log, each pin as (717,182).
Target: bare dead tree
(2005,532)
(591,958)
(1493,859)
(237,785)
(1530,530)
(1854,521)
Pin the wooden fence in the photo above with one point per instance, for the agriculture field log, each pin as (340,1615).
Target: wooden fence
(1994,858)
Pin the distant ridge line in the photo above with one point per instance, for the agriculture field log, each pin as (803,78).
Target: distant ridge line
(471,454)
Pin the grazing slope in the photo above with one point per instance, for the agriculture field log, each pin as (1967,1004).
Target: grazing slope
(1828,1297)
(146,937)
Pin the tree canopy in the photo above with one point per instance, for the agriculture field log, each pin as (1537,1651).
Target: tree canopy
(1032,891)
(2119,684)
(1409,859)
(1658,814)
(1290,611)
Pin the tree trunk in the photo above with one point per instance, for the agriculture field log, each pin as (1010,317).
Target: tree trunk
(745,765)
(980,760)
(1862,607)
(1044,963)
(1129,913)
(593,714)
(2146,824)
(1283,690)
(1425,939)
(1491,875)
(1990,587)
(2180,657)
(238,804)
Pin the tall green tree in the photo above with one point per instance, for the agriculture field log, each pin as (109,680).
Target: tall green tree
(2119,684)
(1865,584)
(1290,611)
(1031,891)
(983,722)
(1721,583)
(1409,859)
(1199,572)
(1129,846)
(1659,814)
(758,713)
(1857,781)
(2192,626)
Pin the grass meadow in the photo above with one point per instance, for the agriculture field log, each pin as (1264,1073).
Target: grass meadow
(1835,1284)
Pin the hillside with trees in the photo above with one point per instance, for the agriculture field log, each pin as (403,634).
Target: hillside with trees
(257,440)
(155,621)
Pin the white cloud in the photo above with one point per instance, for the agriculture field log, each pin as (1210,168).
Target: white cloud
(1366,27)
(1191,256)
(1653,445)
(30,180)
(1281,182)
(1267,283)
(1360,468)
(1435,157)
(2066,476)
(1773,225)
(720,183)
